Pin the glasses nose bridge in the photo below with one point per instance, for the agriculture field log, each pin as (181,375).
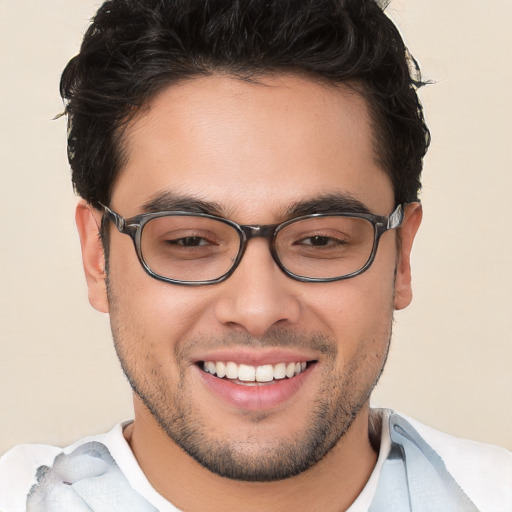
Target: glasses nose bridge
(258,231)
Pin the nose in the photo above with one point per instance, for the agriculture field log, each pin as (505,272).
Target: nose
(258,296)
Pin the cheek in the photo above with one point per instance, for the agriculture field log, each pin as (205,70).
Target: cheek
(363,300)
(358,312)
(145,308)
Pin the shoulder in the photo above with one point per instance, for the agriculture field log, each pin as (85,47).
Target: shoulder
(21,466)
(483,471)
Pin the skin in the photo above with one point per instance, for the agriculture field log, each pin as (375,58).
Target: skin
(276,142)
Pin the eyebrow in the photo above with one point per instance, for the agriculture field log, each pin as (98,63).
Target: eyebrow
(325,204)
(170,202)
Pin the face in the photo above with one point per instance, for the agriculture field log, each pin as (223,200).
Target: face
(252,152)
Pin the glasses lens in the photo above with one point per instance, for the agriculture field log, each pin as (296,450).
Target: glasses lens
(189,248)
(325,247)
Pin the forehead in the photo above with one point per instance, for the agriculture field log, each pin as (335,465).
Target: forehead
(252,148)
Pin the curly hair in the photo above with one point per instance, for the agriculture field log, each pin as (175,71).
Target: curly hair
(135,48)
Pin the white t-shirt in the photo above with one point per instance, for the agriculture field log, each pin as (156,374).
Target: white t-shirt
(418,469)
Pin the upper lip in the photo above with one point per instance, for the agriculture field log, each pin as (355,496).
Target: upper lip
(256,358)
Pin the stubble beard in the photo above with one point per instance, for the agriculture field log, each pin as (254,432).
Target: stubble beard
(339,400)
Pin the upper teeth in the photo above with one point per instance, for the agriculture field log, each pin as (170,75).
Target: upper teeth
(248,373)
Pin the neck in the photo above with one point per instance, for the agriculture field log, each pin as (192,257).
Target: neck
(330,485)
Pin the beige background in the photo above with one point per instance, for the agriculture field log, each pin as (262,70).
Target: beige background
(452,352)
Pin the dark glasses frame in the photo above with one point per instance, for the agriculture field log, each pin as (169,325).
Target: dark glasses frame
(134,226)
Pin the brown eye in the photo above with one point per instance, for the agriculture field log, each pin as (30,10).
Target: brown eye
(189,241)
(320,241)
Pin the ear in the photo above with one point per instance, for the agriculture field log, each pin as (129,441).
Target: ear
(410,225)
(88,222)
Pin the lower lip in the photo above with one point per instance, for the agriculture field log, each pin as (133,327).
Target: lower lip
(255,397)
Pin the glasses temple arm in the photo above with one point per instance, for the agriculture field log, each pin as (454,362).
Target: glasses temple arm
(396,218)
(115,218)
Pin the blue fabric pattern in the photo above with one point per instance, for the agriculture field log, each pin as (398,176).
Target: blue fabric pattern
(414,478)
(88,479)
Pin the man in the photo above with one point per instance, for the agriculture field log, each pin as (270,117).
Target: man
(249,174)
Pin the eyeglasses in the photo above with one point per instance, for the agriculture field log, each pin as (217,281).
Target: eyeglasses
(196,249)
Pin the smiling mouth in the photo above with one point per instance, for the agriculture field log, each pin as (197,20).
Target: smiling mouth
(248,375)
